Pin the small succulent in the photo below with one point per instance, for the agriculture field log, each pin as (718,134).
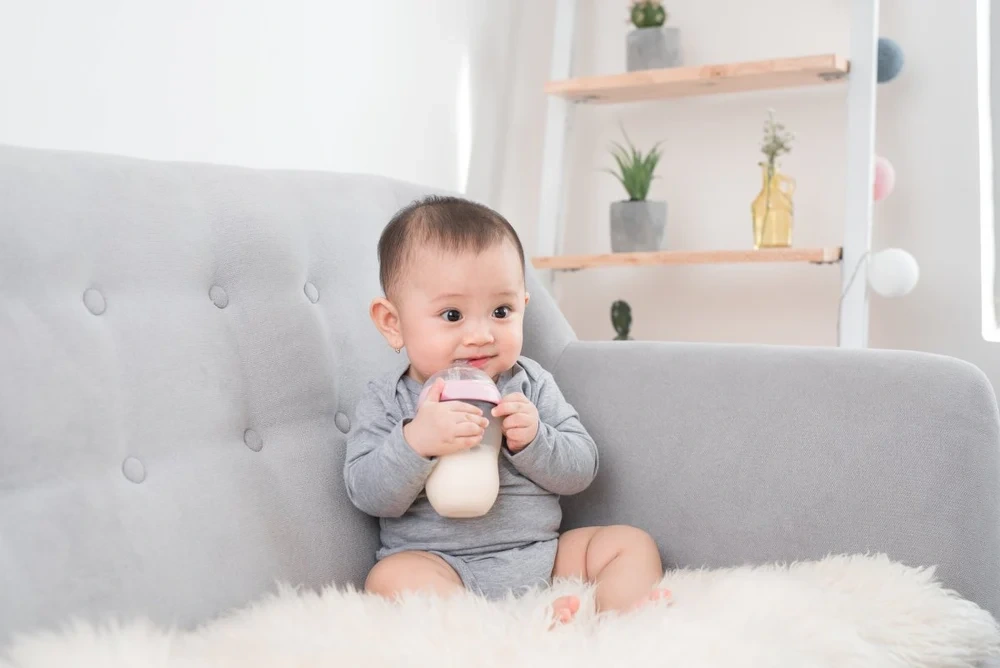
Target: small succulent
(621,318)
(636,171)
(648,13)
(777,141)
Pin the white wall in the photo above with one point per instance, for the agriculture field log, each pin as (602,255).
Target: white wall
(433,92)
(342,85)
(927,126)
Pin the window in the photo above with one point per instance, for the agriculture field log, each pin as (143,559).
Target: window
(988,47)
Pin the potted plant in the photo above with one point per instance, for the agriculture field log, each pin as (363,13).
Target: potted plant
(621,319)
(636,224)
(773,209)
(651,45)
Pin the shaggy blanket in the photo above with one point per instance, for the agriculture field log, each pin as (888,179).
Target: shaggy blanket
(840,611)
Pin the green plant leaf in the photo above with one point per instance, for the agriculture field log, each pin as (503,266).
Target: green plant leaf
(621,164)
(651,161)
(620,150)
(636,170)
(625,134)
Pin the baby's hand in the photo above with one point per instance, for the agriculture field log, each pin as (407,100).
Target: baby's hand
(444,427)
(520,425)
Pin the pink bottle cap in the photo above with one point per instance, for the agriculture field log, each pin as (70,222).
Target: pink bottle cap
(463,383)
(470,390)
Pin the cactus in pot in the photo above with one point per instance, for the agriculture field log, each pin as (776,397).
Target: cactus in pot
(651,45)
(648,14)
(621,319)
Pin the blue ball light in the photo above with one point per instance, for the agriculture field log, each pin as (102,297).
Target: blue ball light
(890,59)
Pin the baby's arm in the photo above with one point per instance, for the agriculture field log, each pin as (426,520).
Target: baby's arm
(382,473)
(563,457)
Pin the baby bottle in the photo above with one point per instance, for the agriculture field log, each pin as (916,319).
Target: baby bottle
(466,483)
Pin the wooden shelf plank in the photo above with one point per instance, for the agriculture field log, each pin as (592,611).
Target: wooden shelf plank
(703,80)
(764,255)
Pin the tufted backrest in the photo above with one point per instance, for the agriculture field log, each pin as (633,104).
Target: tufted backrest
(181,349)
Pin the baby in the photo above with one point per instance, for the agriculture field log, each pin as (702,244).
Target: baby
(452,272)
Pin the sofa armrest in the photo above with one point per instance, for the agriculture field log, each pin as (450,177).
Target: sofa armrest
(749,454)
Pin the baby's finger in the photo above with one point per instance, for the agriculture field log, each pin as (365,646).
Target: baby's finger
(469,429)
(470,418)
(508,408)
(515,421)
(462,407)
(434,393)
(466,442)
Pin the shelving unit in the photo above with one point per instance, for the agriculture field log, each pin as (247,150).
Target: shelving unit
(858,72)
(577,262)
(702,80)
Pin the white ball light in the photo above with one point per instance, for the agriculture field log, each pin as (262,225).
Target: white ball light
(893,272)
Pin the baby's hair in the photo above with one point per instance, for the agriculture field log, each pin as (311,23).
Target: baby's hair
(449,223)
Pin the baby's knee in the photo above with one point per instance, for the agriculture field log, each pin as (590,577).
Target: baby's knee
(635,539)
(385,578)
(412,571)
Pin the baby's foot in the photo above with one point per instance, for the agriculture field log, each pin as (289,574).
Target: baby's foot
(564,609)
(658,595)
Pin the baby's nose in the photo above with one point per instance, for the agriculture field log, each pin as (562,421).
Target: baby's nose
(480,335)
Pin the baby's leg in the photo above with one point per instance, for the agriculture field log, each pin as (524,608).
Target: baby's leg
(414,572)
(623,561)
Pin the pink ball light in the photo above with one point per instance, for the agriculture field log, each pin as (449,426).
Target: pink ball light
(885,178)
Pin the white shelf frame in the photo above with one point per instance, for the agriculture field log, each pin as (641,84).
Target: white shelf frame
(858,209)
(858,206)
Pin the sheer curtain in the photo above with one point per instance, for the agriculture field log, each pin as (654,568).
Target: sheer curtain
(486,96)
(412,90)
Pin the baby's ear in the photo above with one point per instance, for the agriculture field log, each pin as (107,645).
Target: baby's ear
(527,298)
(386,318)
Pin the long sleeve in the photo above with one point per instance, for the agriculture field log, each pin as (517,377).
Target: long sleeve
(563,457)
(382,473)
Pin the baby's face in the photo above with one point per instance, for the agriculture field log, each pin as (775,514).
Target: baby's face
(462,307)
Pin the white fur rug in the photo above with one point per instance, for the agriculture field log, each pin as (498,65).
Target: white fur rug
(840,611)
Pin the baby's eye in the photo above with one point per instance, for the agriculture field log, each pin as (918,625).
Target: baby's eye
(502,312)
(452,315)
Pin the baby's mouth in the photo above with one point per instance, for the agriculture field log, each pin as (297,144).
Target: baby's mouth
(478,362)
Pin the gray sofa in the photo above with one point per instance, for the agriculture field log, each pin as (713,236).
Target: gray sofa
(182,347)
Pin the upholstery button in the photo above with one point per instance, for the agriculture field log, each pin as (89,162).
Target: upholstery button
(218,296)
(253,440)
(343,422)
(94,301)
(134,470)
(311,292)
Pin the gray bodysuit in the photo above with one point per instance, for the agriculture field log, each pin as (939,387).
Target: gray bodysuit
(513,546)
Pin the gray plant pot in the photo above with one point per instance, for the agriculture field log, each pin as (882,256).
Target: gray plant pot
(653,48)
(637,226)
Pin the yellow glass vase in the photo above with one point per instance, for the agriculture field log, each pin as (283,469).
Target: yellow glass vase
(773,211)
